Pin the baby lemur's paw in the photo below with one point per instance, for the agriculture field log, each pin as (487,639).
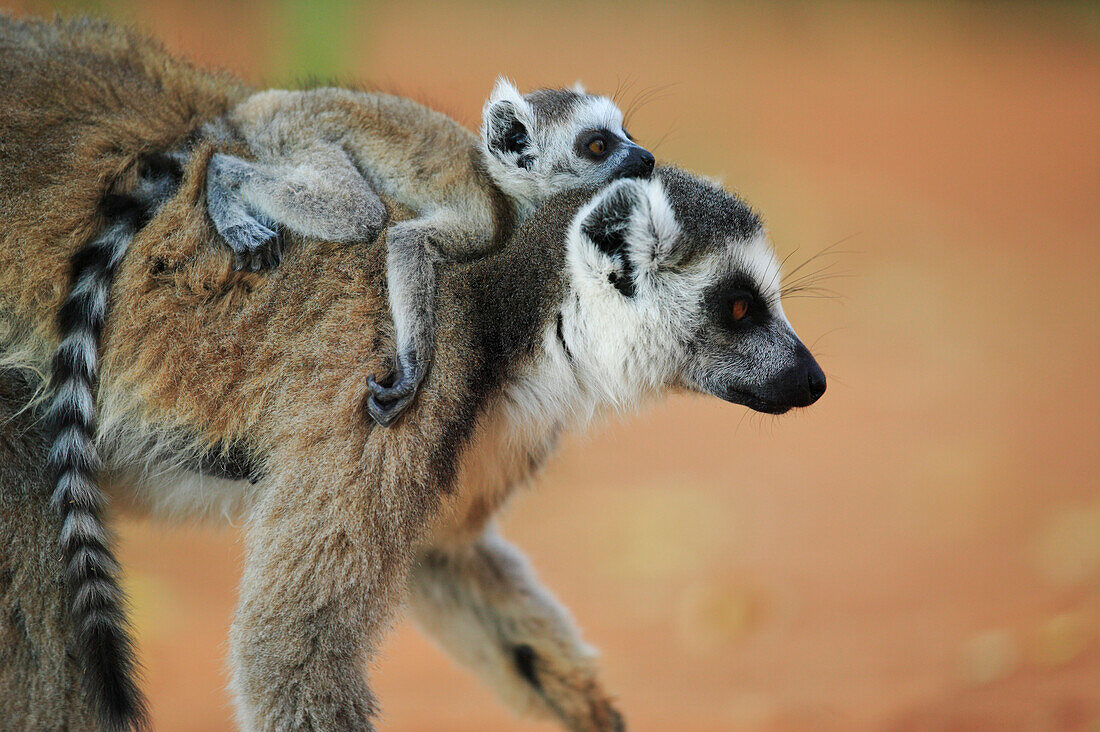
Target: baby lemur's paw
(571,692)
(387,403)
(255,244)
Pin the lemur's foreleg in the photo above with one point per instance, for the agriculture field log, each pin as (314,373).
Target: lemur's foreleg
(320,582)
(412,248)
(483,604)
(319,194)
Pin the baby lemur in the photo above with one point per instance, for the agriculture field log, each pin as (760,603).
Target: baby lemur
(324,155)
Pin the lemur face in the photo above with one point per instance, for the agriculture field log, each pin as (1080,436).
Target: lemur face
(676,285)
(557,139)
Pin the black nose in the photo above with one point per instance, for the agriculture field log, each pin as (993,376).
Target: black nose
(637,164)
(802,384)
(807,380)
(815,381)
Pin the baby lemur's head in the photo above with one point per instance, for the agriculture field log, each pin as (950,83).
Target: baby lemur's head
(551,140)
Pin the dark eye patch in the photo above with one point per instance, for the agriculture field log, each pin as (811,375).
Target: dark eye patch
(736,303)
(584,143)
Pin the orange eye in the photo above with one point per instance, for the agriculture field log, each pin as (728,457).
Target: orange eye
(739,308)
(597,146)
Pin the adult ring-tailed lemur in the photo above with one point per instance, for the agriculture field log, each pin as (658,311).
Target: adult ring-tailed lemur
(598,299)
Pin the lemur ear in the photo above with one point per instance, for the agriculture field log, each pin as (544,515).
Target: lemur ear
(607,224)
(578,87)
(632,223)
(660,231)
(506,124)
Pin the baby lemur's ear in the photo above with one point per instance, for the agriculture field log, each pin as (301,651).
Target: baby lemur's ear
(506,125)
(632,224)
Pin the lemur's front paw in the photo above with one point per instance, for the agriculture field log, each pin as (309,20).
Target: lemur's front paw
(387,403)
(571,692)
(255,246)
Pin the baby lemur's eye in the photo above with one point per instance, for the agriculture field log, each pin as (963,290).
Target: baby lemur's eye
(739,307)
(596,145)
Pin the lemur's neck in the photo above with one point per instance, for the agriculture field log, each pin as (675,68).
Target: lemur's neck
(522,207)
(521,193)
(537,330)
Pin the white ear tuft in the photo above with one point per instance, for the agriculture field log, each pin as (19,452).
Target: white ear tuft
(506,91)
(661,220)
(504,102)
(578,87)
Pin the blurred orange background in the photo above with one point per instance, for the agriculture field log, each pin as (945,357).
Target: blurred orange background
(918,551)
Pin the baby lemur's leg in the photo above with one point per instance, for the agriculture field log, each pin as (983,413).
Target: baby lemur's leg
(412,248)
(255,243)
(317,193)
(324,569)
(484,605)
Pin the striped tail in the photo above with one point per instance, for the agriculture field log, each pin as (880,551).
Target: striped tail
(97,603)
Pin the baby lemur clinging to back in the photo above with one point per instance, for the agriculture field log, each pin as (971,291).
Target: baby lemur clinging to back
(324,155)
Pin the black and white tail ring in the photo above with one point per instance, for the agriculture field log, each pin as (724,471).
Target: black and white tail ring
(104,647)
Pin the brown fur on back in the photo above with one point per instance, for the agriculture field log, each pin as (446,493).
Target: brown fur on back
(80,101)
(277,361)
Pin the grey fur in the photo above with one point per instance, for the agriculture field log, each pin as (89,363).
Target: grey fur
(555,106)
(317,193)
(484,605)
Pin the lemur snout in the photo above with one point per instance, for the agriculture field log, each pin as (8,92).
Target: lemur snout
(637,164)
(803,383)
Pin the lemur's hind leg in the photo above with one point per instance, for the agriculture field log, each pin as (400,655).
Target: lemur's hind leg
(318,193)
(412,248)
(41,682)
(483,604)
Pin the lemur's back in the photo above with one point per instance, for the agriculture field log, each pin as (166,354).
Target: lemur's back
(419,156)
(80,101)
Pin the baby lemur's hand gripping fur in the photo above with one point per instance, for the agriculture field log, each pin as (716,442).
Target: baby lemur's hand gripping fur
(324,155)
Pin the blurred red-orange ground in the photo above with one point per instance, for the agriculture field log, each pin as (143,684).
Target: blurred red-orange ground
(919,551)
